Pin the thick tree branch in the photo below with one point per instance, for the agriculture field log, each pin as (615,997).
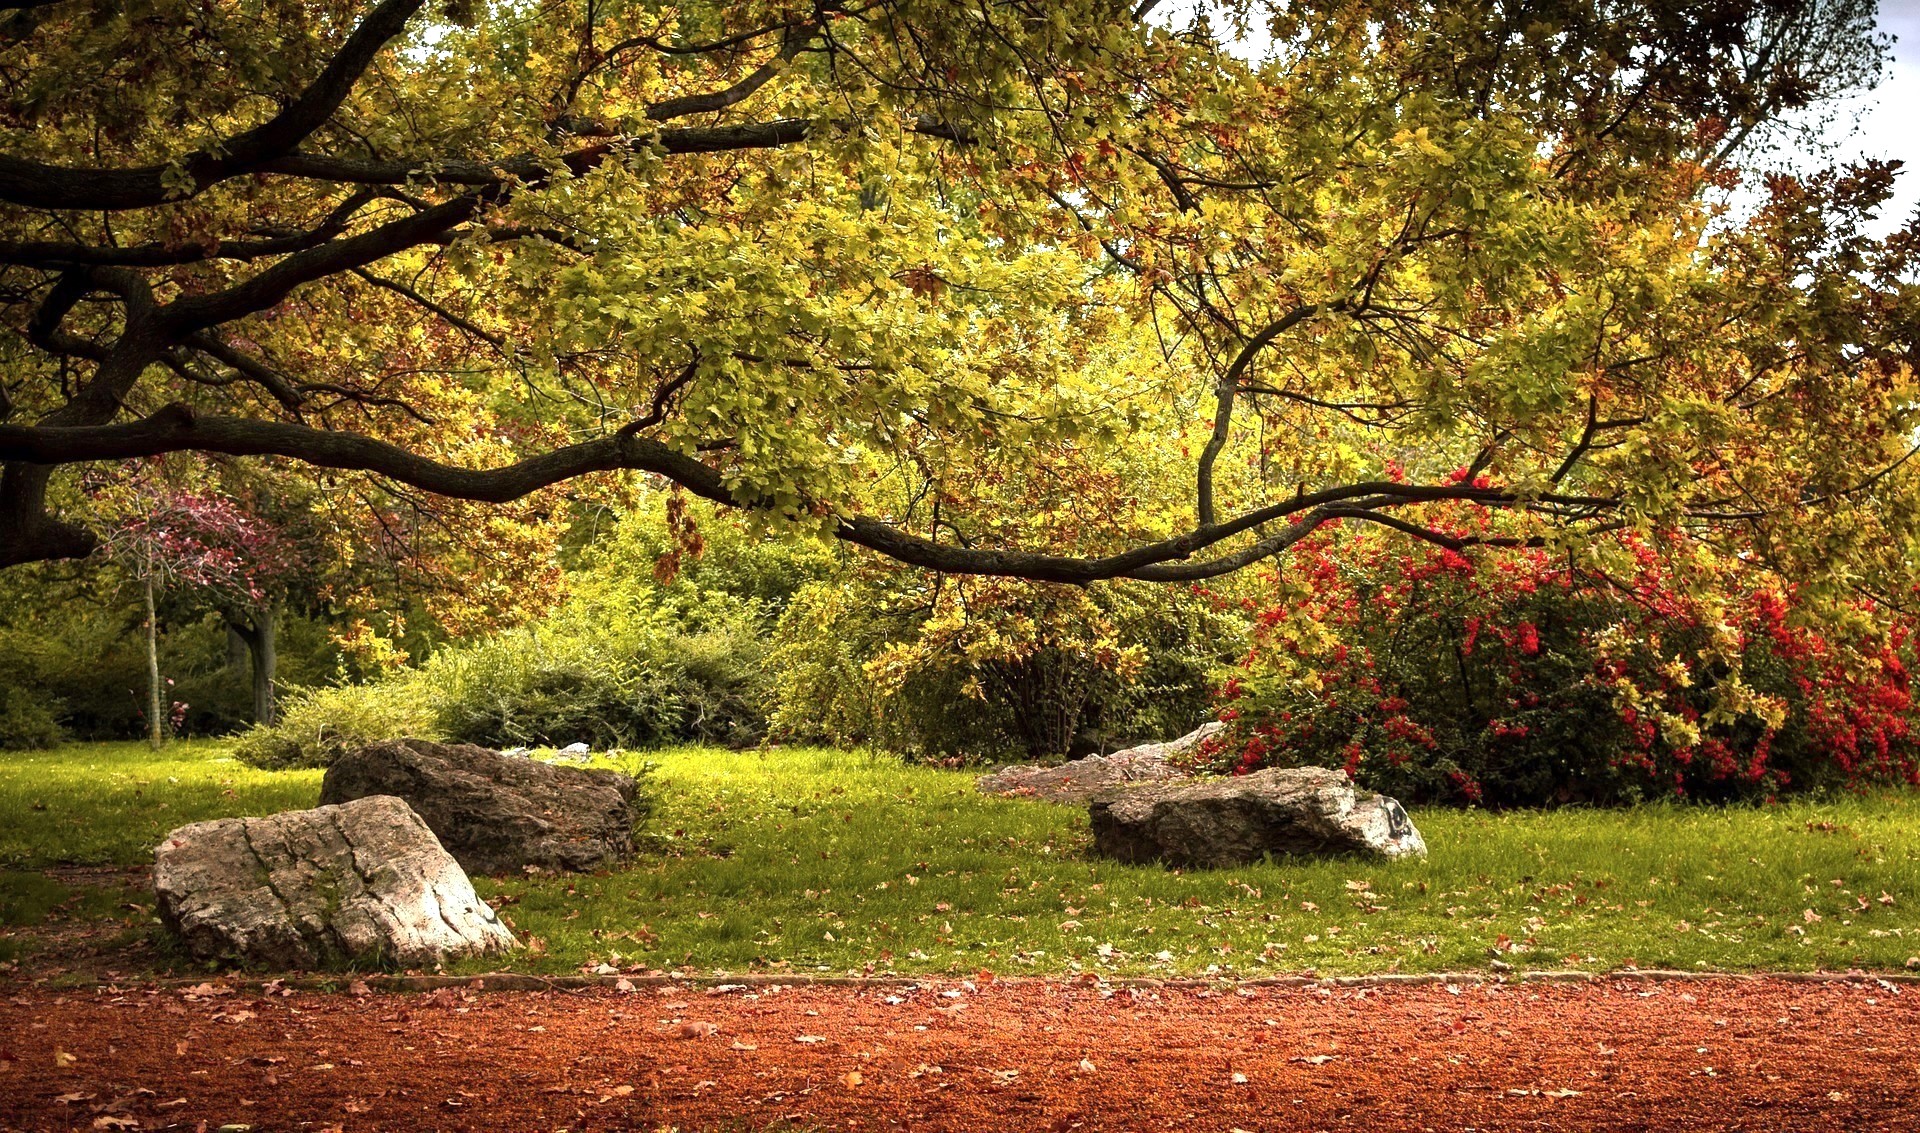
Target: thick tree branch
(177,428)
(1229,385)
(55,254)
(675,140)
(41,185)
(199,312)
(791,43)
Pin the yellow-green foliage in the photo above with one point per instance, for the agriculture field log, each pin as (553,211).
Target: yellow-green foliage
(317,726)
(110,804)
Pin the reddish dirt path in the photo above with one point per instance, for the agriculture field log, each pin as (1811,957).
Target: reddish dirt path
(1627,1055)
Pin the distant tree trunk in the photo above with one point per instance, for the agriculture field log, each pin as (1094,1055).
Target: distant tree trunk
(156,734)
(262,642)
(238,652)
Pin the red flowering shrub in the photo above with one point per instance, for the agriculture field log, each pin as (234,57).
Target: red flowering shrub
(1516,678)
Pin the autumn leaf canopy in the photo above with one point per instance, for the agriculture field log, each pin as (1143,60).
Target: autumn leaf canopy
(904,271)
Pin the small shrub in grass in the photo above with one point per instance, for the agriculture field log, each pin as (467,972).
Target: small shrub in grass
(319,725)
(824,691)
(654,679)
(993,669)
(526,688)
(27,720)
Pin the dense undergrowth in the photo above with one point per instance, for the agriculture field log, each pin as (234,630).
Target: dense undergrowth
(1643,669)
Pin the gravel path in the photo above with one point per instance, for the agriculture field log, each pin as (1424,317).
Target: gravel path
(1008,1055)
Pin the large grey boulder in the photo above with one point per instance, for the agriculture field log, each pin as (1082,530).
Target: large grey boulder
(1081,779)
(361,884)
(1239,819)
(497,813)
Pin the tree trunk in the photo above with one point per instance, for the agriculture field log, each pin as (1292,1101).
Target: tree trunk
(266,660)
(261,637)
(156,734)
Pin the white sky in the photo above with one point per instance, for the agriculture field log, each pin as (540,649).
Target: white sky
(1885,123)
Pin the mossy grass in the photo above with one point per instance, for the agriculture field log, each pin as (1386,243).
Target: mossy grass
(812,861)
(109,804)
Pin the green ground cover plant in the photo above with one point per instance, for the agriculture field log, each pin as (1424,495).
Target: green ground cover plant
(813,860)
(109,804)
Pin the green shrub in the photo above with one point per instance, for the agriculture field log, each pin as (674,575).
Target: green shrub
(722,685)
(319,725)
(858,663)
(27,721)
(637,672)
(528,688)
(824,692)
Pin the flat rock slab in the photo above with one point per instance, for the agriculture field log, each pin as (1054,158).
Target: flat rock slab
(361,884)
(498,813)
(1082,779)
(1240,819)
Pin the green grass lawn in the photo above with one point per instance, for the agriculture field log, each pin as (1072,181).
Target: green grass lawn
(810,861)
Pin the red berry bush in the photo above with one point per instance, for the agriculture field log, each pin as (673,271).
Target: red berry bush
(1524,677)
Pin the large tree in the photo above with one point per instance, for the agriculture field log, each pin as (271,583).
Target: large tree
(768,251)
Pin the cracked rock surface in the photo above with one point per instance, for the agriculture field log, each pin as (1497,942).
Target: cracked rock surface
(1240,819)
(364,883)
(1081,779)
(499,813)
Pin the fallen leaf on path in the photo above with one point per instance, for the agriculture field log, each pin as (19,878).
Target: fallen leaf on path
(809,1038)
(62,1060)
(698,1030)
(1314,1059)
(852,1078)
(738,1045)
(206,991)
